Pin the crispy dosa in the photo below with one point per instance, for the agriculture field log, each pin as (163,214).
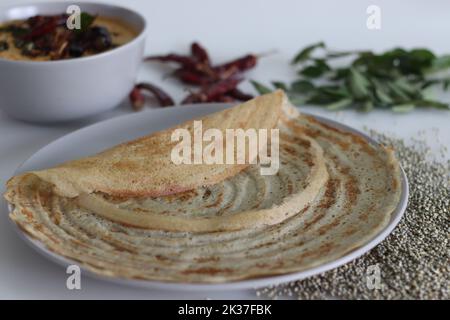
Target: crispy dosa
(219,231)
(144,167)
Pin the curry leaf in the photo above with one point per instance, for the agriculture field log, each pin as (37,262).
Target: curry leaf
(280,85)
(315,70)
(304,54)
(262,89)
(302,86)
(367,106)
(86,20)
(297,100)
(338,105)
(432,104)
(403,108)
(358,84)
(441,63)
(394,79)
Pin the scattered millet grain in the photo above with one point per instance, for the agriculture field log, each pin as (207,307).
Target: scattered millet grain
(414,260)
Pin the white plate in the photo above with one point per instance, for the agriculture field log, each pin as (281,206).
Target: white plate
(105,134)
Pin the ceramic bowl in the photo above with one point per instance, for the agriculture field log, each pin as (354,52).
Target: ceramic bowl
(62,90)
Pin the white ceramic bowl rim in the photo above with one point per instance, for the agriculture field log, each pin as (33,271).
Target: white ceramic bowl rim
(142,32)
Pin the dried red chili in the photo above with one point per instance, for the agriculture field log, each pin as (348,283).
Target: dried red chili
(192,77)
(242,64)
(218,83)
(137,99)
(200,53)
(239,95)
(44,25)
(212,92)
(185,62)
(161,96)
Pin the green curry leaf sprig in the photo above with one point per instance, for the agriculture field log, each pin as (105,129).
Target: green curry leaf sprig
(395,79)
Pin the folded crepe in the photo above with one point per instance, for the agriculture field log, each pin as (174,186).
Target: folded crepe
(143,167)
(334,192)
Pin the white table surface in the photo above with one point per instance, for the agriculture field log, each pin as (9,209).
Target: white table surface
(228,29)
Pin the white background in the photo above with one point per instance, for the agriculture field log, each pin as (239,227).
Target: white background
(228,29)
